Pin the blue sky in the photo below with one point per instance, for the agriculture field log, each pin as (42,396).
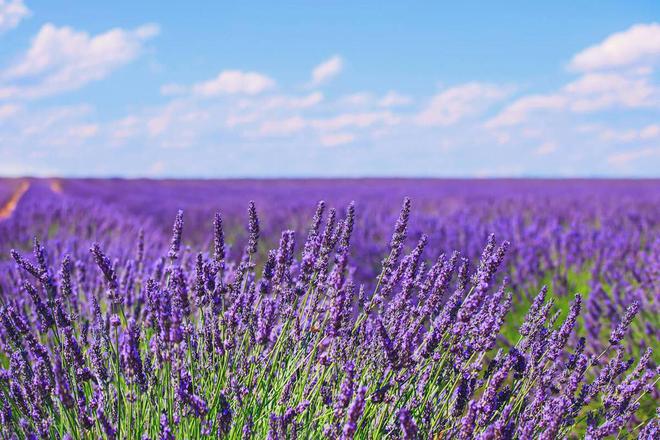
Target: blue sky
(270,89)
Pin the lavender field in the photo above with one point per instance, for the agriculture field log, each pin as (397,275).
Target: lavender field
(385,308)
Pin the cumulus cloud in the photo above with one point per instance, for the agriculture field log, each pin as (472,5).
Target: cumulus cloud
(231,82)
(460,102)
(282,127)
(589,93)
(394,99)
(360,99)
(627,157)
(327,70)
(546,148)
(64,127)
(519,110)
(282,102)
(249,110)
(83,131)
(8,110)
(615,74)
(607,134)
(355,120)
(598,91)
(11,14)
(62,59)
(639,44)
(335,139)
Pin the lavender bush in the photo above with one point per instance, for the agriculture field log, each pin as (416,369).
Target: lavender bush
(225,338)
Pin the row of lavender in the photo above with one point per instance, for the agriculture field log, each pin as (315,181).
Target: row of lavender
(305,340)
(597,237)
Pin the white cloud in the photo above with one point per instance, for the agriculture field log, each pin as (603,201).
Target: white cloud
(327,70)
(646,133)
(632,52)
(62,59)
(283,102)
(335,139)
(157,168)
(520,109)
(283,127)
(269,108)
(56,119)
(33,132)
(360,99)
(8,110)
(234,120)
(123,129)
(394,99)
(83,131)
(625,158)
(460,102)
(175,124)
(11,13)
(639,44)
(230,82)
(589,93)
(599,91)
(546,148)
(358,120)
(650,132)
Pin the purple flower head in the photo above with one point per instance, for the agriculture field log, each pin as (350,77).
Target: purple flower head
(223,416)
(139,253)
(619,332)
(408,426)
(218,239)
(398,238)
(109,431)
(25,264)
(43,311)
(65,277)
(108,271)
(354,414)
(186,395)
(253,229)
(560,337)
(165,431)
(346,389)
(131,360)
(312,244)
(175,243)
(533,312)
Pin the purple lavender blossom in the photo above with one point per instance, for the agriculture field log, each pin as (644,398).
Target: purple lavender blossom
(253,228)
(408,426)
(354,414)
(175,242)
(218,239)
(619,332)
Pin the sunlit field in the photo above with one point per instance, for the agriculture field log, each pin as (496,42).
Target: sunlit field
(281,309)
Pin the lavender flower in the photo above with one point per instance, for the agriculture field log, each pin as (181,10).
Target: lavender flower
(619,332)
(175,243)
(218,239)
(354,414)
(109,272)
(253,228)
(408,426)
(131,359)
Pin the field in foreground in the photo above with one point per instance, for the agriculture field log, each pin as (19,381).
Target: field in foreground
(294,319)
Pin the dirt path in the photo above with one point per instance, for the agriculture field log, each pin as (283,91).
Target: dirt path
(56,186)
(8,208)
